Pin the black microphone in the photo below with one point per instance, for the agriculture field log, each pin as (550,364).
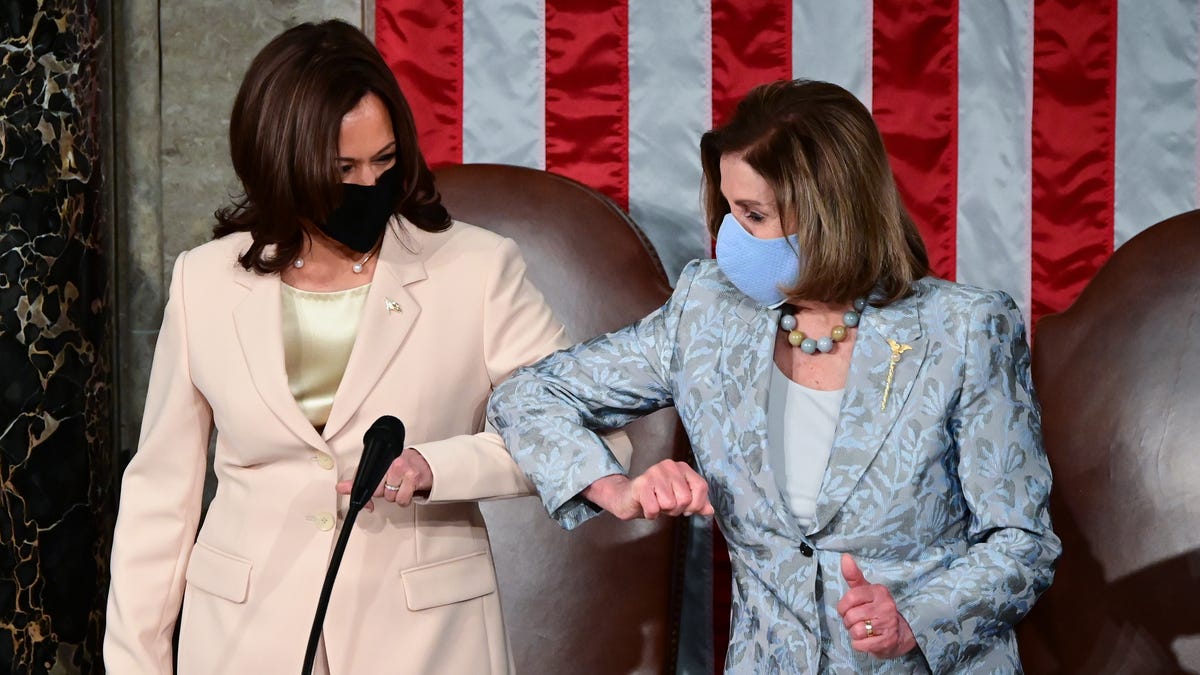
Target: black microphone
(382,444)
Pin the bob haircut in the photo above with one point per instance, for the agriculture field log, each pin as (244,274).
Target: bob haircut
(283,140)
(818,148)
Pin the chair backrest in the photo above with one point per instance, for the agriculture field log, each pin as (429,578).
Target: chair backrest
(1118,375)
(604,598)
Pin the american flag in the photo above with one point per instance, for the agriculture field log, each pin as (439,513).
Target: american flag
(1029,137)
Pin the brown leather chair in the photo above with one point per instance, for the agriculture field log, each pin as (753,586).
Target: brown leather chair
(604,598)
(1118,375)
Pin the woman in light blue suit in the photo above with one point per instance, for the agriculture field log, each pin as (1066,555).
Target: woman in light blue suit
(867,434)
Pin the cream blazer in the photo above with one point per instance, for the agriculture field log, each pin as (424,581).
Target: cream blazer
(448,316)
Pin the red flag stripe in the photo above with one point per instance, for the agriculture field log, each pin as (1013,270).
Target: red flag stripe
(751,45)
(915,97)
(1074,119)
(421,40)
(587,93)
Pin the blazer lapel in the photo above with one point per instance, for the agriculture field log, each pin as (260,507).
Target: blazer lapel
(887,337)
(749,355)
(387,317)
(258,320)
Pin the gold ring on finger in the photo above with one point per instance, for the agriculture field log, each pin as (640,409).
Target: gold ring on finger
(870,629)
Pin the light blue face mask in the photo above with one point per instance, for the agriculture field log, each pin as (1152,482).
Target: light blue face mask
(758,267)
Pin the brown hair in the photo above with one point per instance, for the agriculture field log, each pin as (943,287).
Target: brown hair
(818,148)
(283,140)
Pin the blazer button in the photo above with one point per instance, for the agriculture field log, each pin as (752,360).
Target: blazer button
(323,460)
(323,521)
(806,550)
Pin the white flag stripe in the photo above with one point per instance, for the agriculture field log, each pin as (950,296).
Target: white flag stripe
(833,42)
(995,113)
(504,82)
(1156,153)
(670,106)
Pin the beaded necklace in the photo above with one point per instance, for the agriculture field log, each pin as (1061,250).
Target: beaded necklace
(808,345)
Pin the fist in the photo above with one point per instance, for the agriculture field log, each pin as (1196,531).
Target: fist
(669,487)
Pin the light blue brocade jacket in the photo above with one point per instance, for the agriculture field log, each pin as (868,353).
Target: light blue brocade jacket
(941,495)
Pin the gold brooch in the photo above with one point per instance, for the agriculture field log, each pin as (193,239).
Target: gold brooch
(392,305)
(897,350)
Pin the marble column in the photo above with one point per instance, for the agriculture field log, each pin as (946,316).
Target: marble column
(55,337)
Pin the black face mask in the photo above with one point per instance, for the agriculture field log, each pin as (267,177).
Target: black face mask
(359,221)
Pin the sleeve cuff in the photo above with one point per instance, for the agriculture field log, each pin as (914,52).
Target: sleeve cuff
(937,639)
(565,503)
(461,474)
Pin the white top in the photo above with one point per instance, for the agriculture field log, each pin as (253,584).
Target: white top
(801,424)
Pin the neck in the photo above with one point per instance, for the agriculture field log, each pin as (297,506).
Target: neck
(322,250)
(329,266)
(818,307)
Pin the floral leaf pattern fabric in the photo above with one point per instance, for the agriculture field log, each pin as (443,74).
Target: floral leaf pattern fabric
(941,494)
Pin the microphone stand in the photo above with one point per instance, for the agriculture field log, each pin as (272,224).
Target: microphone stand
(381,445)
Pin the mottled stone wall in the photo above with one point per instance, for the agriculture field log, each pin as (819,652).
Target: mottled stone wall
(56,451)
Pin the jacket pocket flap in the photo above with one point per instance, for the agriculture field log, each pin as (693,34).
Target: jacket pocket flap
(454,580)
(224,575)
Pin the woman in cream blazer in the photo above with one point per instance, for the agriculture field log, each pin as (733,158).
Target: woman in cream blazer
(447,315)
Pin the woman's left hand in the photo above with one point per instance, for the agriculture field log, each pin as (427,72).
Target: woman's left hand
(408,475)
(870,606)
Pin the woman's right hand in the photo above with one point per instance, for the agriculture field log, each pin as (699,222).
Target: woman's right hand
(669,487)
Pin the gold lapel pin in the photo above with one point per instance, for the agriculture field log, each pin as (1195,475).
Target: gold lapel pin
(392,305)
(897,350)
